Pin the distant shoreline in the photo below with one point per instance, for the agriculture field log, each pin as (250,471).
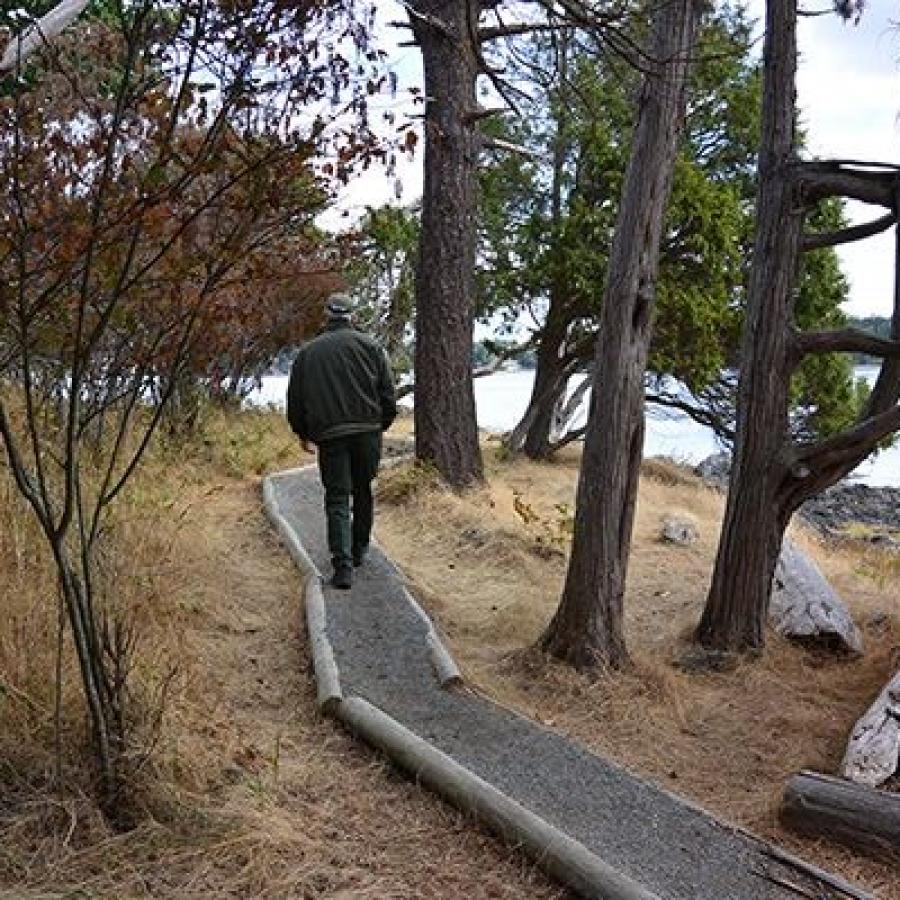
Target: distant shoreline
(501,399)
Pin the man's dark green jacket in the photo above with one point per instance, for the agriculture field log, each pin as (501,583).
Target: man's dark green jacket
(340,384)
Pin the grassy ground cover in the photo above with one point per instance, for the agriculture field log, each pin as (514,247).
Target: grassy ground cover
(245,791)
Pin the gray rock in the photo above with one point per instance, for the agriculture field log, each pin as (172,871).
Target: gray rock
(715,469)
(846,503)
(681,531)
(804,605)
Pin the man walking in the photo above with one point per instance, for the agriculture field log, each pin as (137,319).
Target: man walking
(341,397)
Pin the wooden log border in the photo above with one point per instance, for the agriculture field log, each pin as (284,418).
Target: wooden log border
(328,681)
(858,816)
(554,851)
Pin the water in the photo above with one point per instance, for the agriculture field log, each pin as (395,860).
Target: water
(502,398)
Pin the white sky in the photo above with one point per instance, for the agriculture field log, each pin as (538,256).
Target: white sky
(849,95)
(849,98)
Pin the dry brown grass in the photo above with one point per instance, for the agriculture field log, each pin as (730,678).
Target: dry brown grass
(490,566)
(248,793)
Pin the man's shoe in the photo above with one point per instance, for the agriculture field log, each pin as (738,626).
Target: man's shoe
(359,556)
(342,578)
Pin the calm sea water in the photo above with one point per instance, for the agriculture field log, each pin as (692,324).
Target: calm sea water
(501,399)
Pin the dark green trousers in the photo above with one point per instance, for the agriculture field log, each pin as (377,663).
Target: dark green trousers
(347,466)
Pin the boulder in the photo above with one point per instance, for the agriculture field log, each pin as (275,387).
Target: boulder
(679,530)
(849,502)
(805,606)
(715,469)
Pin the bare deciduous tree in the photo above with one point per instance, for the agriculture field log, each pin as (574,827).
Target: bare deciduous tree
(145,161)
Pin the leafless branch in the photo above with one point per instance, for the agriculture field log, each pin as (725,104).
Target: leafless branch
(493,32)
(819,180)
(507,146)
(482,112)
(851,444)
(699,413)
(568,438)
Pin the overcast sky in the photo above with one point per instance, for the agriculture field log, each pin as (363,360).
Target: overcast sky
(849,97)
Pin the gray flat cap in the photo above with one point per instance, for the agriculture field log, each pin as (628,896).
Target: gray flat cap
(339,306)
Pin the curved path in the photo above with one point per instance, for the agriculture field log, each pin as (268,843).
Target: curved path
(594,826)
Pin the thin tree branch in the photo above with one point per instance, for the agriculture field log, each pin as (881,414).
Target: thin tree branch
(568,438)
(493,32)
(482,112)
(23,478)
(699,414)
(490,143)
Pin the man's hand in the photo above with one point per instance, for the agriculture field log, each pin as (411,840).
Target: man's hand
(306,447)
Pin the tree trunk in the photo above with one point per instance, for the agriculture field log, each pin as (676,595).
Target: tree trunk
(107,727)
(549,376)
(753,528)
(549,384)
(532,433)
(445,423)
(587,628)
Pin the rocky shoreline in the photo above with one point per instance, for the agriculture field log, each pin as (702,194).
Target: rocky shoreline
(847,504)
(836,510)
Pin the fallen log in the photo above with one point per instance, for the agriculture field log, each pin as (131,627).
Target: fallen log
(873,751)
(805,606)
(860,817)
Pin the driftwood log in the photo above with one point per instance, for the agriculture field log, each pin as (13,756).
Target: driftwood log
(873,751)
(861,817)
(805,606)
(40,32)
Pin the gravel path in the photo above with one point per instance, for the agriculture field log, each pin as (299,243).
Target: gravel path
(655,838)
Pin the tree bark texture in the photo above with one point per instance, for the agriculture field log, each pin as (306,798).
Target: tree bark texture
(549,376)
(586,630)
(107,724)
(445,423)
(863,818)
(754,523)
